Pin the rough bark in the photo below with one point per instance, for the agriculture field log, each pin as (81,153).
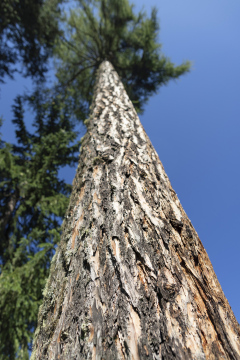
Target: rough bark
(130,279)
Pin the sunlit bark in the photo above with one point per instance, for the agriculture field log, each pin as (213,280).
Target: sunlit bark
(130,279)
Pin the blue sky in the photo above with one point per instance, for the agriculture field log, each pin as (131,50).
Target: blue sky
(194,124)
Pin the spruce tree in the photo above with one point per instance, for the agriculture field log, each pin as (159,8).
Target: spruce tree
(33,201)
(130,278)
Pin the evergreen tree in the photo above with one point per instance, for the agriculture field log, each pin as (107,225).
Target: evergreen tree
(130,278)
(129,41)
(33,200)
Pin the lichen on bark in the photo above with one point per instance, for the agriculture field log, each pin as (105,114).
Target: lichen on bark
(130,279)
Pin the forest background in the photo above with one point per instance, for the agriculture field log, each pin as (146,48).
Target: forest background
(193,124)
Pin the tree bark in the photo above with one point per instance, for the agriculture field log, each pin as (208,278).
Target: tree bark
(130,279)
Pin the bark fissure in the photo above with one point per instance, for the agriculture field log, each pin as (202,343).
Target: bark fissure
(130,279)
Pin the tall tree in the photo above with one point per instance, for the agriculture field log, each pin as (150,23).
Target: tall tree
(130,279)
(28,29)
(33,201)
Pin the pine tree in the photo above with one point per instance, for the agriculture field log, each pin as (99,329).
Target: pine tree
(130,278)
(33,201)
(131,42)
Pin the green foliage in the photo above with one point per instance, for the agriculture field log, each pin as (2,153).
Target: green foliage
(33,201)
(27,32)
(109,30)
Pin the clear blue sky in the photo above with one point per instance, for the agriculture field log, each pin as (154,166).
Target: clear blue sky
(194,124)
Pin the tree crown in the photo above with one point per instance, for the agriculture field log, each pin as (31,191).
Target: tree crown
(27,32)
(101,30)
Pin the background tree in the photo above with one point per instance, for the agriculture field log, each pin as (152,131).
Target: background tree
(27,32)
(33,200)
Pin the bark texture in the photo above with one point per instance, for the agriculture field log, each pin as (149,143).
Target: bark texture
(130,279)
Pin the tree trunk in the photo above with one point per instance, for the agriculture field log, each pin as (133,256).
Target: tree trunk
(130,279)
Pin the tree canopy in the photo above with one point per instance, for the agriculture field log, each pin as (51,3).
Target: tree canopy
(100,30)
(27,32)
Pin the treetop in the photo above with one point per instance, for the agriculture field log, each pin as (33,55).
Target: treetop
(99,30)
